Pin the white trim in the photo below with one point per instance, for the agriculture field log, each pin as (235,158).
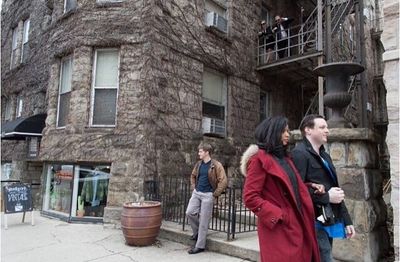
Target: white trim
(19,107)
(391,55)
(94,87)
(60,83)
(14,45)
(21,133)
(75,190)
(25,36)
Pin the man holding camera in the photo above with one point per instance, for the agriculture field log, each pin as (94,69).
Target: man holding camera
(315,165)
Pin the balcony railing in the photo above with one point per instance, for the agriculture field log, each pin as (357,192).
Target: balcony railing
(299,41)
(229,213)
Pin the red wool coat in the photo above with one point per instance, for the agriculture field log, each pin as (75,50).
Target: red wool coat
(286,234)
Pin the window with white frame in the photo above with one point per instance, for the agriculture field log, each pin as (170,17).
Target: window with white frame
(25,39)
(215,14)
(265,105)
(13,47)
(69,5)
(64,93)
(20,104)
(105,87)
(214,103)
(7,110)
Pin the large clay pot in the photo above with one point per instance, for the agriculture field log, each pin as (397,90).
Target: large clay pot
(141,222)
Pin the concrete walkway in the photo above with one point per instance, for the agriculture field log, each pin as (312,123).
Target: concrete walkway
(53,240)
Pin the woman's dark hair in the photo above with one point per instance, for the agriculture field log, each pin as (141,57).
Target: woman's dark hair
(269,134)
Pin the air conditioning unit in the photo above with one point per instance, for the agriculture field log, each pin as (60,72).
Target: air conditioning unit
(213,126)
(217,21)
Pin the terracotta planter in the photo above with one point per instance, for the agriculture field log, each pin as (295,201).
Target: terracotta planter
(141,222)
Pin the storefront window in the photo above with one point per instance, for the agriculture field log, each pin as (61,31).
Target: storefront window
(75,191)
(92,190)
(59,188)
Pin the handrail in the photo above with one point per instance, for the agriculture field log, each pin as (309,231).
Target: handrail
(296,41)
(338,12)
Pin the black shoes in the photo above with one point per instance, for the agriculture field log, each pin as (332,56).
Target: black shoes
(195,250)
(194,237)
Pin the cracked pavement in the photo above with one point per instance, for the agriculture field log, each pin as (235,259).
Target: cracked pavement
(55,240)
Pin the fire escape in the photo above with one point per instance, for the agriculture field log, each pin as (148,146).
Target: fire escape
(316,41)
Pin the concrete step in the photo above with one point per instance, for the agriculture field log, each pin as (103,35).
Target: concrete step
(244,246)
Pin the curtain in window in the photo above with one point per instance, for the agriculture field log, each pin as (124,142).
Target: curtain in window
(106,68)
(63,109)
(213,88)
(66,76)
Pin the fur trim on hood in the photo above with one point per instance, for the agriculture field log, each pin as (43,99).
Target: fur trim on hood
(250,151)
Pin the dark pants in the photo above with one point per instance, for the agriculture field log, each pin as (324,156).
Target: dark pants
(325,245)
(282,46)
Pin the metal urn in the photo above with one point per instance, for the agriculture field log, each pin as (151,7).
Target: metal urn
(337,79)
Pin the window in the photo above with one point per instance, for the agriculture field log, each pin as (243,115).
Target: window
(73,191)
(25,38)
(69,5)
(265,105)
(13,47)
(215,14)
(7,110)
(6,171)
(64,91)
(33,147)
(266,14)
(105,87)
(214,103)
(20,102)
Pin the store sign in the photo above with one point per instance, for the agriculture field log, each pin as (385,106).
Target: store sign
(17,198)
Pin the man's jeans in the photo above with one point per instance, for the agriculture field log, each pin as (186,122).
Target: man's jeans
(325,245)
(199,212)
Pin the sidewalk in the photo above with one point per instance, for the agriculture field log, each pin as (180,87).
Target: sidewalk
(53,240)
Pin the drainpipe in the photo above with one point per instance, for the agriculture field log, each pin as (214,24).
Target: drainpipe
(363,87)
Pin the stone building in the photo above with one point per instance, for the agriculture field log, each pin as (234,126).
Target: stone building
(129,88)
(390,40)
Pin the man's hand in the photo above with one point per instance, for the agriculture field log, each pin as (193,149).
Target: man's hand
(336,195)
(350,231)
(319,189)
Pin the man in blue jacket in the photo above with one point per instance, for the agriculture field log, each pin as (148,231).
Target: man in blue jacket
(315,165)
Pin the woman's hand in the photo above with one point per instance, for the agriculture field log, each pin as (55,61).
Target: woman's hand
(319,188)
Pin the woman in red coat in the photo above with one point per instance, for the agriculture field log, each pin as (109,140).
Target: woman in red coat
(276,194)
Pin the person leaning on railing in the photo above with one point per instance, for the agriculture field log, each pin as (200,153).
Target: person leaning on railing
(266,41)
(282,33)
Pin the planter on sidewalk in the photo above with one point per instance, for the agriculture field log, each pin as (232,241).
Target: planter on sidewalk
(141,222)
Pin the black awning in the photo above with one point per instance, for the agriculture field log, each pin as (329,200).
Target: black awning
(23,127)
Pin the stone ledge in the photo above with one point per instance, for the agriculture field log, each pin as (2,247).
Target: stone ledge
(343,134)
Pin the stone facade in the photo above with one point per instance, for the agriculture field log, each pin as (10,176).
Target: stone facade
(390,40)
(164,51)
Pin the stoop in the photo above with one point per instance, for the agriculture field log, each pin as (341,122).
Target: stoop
(244,246)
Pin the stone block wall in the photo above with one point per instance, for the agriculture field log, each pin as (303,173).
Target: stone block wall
(390,40)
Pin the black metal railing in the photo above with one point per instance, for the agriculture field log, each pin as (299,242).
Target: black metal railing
(229,213)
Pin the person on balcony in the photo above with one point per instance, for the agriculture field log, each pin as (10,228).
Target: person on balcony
(282,34)
(275,193)
(266,42)
(315,165)
(208,180)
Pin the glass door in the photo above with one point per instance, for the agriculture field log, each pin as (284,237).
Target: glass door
(59,184)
